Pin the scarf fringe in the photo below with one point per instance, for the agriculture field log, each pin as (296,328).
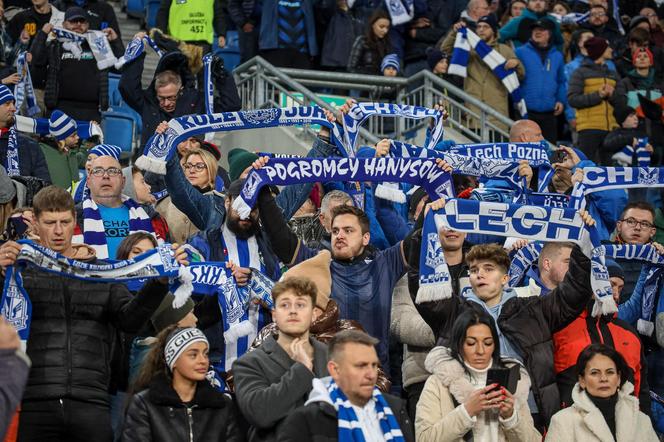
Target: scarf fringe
(183,292)
(433,292)
(151,164)
(390,192)
(604,305)
(237,331)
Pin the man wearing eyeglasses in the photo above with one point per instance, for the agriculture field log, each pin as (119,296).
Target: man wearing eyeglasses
(173,91)
(598,22)
(636,225)
(74,83)
(107,217)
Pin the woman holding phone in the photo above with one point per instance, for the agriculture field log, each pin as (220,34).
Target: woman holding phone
(460,400)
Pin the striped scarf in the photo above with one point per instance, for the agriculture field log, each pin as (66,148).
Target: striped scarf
(40,126)
(93,225)
(522,260)
(97,40)
(467,40)
(135,48)
(242,320)
(24,89)
(12,165)
(349,428)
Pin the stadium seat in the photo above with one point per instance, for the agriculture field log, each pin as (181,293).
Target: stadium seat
(119,129)
(151,8)
(135,8)
(114,97)
(231,53)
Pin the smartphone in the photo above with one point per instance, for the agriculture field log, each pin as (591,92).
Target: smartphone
(558,156)
(504,377)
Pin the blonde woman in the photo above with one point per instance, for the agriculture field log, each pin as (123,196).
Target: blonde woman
(200,169)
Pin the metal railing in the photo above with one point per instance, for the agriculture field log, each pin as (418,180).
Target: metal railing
(262,85)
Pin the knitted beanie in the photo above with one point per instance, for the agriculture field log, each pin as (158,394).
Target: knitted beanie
(238,161)
(61,125)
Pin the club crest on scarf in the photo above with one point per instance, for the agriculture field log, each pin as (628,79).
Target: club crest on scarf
(261,116)
(15,309)
(434,253)
(648,176)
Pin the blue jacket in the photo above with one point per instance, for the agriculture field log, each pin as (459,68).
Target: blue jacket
(630,311)
(269,32)
(544,83)
(208,211)
(510,32)
(570,112)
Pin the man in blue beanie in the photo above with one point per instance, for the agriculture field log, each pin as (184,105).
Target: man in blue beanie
(19,155)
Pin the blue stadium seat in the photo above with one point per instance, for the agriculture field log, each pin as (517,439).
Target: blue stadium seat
(231,53)
(119,129)
(114,97)
(135,8)
(151,8)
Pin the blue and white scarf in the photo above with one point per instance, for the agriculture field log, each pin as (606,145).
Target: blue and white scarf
(12,165)
(16,305)
(597,179)
(401,11)
(535,153)
(97,40)
(573,17)
(546,224)
(134,50)
(39,126)
(652,284)
(467,40)
(349,427)
(507,169)
(207,82)
(161,147)
(24,89)
(285,171)
(522,260)
(93,225)
(358,114)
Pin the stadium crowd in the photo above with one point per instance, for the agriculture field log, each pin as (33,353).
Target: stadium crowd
(319,332)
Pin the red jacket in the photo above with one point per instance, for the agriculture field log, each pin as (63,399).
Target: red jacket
(585,330)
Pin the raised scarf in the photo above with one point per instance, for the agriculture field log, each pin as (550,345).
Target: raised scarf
(349,428)
(93,225)
(521,262)
(135,48)
(24,89)
(39,126)
(467,40)
(97,40)
(534,223)
(285,171)
(597,179)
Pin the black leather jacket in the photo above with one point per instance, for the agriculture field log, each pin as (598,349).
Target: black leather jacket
(159,415)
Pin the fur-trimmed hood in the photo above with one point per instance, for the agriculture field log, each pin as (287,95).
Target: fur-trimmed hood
(452,375)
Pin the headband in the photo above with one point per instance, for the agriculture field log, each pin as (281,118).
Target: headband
(178,343)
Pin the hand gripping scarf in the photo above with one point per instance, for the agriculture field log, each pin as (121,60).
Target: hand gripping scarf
(16,305)
(349,427)
(135,48)
(161,147)
(512,220)
(285,171)
(522,260)
(655,268)
(97,40)
(467,40)
(535,153)
(597,179)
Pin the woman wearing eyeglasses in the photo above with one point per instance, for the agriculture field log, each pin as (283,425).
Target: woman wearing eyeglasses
(200,169)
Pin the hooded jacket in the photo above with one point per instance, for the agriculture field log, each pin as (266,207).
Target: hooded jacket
(72,330)
(159,415)
(584,422)
(317,420)
(528,324)
(190,101)
(592,111)
(440,416)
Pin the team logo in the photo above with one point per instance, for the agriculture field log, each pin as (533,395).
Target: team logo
(251,185)
(15,309)
(261,116)
(100,43)
(161,143)
(434,256)
(167,257)
(648,175)
(234,304)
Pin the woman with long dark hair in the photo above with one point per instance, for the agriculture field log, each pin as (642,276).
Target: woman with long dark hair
(604,407)
(456,401)
(369,49)
(174,401)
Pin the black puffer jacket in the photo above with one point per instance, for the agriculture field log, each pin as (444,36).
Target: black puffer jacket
(72,330)
(191,101)
(159,415)
(529,323)
(364,59)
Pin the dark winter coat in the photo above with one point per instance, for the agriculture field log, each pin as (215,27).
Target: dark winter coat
(191,100)
(31,161)
(72,331)
(159,415)
(366,60)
